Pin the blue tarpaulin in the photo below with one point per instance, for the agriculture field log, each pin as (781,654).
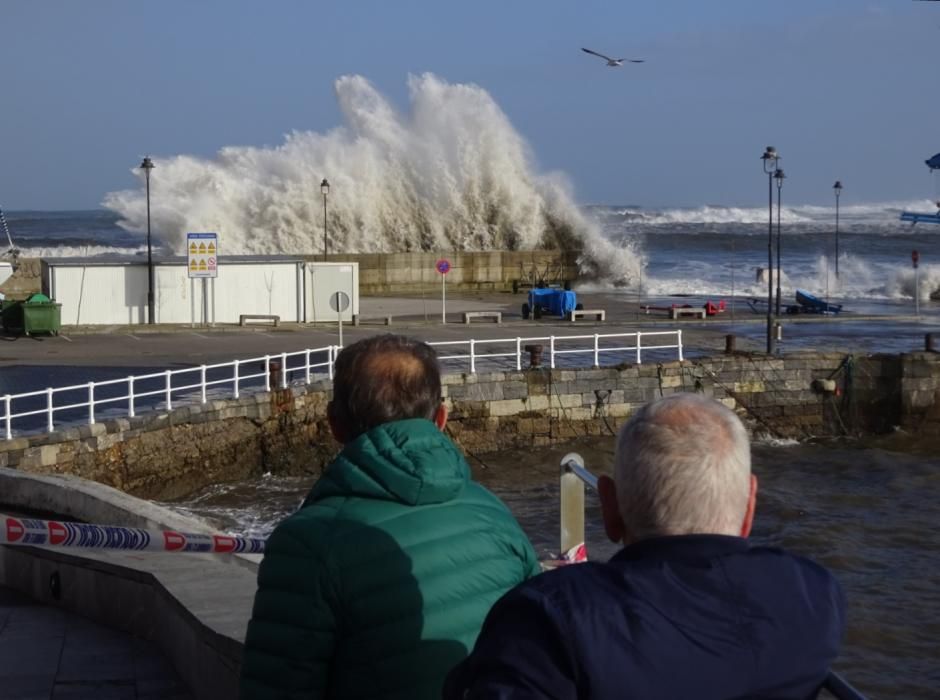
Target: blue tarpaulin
(556,301)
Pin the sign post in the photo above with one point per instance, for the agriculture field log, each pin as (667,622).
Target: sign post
(202,257)
(443,266)
(339,302)
(915,258)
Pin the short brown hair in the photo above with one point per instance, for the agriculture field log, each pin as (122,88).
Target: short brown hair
(382,379)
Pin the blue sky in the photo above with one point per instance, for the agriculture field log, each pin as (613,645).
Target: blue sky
(844,90)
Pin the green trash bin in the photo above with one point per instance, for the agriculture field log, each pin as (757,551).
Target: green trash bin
(41,315)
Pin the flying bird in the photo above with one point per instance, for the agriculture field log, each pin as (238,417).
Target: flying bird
(613,62)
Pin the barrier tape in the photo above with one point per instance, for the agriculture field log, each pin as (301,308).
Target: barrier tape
(54,533)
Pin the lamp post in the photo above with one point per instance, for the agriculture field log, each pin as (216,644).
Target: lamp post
(837,188)
(324,190)
(147,165)
(779,177)
(769,159)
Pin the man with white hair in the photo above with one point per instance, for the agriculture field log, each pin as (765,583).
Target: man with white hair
(688,608)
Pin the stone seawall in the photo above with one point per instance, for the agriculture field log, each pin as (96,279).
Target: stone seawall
(167,455)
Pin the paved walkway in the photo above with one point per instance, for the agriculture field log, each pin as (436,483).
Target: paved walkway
(48,654)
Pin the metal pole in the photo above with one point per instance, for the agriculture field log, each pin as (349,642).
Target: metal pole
(916,290)
(324,229)
(443,298)
(770,260)
(837,232)
(779,191)
(150,314)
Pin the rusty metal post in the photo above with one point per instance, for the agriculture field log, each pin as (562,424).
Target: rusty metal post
(729,344)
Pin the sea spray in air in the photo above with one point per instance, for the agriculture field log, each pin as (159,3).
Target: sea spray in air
(453,174)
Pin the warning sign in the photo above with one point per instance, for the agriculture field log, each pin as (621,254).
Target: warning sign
(202,258)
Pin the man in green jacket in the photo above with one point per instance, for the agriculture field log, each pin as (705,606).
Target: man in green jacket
(379,584)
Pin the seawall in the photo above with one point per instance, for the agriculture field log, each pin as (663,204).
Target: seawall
(382,273)
(167,455)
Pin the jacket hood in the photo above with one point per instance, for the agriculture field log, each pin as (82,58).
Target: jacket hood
(409,461)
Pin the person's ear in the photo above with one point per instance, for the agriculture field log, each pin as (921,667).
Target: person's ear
(751,505)
(336,426)
(440,417)
(610,509)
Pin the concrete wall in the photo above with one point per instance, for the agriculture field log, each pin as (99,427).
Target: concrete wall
(170,455)
(381,273)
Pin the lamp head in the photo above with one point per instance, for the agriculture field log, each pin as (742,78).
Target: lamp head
(325,187)
(837,188)
(770,159)
(779,176)
(146,164)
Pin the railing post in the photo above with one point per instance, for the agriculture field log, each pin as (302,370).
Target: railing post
(679,332)
(473,364)
(639,355)
(572,508)
(307,366)
(49,410)
(235,378)
(202,383)
(597,352)
(267,373)
(329,361)
(169,391)
(283,370)
(91,403)
(130,396)
(518,353)
(7,418)
(551,350)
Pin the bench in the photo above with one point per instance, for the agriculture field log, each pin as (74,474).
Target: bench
(680,311)
(575,314)
(495,315)
(244,318)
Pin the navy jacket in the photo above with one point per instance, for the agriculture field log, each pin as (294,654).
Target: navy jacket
(695,616)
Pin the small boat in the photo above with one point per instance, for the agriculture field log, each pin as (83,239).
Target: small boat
(811,304)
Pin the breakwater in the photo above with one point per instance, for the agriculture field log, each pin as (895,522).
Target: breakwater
(166,455)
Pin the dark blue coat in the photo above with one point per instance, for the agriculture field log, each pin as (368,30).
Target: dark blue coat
(696,616)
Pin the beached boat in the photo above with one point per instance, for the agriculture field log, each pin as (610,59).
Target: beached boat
(812,304)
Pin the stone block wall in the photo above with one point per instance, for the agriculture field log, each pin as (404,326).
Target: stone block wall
(798,396)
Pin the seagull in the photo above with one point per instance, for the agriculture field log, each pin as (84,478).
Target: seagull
(613,62)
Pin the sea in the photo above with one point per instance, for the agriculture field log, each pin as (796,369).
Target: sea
(866,509)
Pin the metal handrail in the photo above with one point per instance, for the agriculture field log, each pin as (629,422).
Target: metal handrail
(194,389)
(574,476)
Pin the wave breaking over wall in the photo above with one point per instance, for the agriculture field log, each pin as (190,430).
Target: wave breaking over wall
(453,174)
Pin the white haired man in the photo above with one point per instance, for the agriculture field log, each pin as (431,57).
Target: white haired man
(687,609)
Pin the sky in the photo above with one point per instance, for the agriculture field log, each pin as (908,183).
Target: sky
(843,89)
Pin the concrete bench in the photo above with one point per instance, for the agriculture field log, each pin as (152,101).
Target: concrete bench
(495,315)
(682,311)
(244,318)
(575,314)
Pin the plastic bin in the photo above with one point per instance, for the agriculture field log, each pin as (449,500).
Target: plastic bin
(42,317)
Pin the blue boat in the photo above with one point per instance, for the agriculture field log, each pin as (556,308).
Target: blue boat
(811,304)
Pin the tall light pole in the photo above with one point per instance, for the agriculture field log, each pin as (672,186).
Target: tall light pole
(324,190)
(147,166)
(837,188)
(769,159)
(779,177)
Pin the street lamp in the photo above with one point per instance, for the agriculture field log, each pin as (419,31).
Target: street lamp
(837,188)
(769,159)
(779,177)
(324,190)
(147,166)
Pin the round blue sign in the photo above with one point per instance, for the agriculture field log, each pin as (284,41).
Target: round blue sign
(443,266)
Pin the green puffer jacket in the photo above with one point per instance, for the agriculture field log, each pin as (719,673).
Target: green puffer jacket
(379,584)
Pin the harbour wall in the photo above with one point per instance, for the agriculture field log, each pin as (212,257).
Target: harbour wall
(384,273)
(169,455)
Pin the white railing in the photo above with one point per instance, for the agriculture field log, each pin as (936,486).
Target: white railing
(127,396)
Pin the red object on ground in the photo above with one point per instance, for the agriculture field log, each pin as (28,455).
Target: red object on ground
(714,309)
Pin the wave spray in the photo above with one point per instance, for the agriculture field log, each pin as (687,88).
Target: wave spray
(452,175)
